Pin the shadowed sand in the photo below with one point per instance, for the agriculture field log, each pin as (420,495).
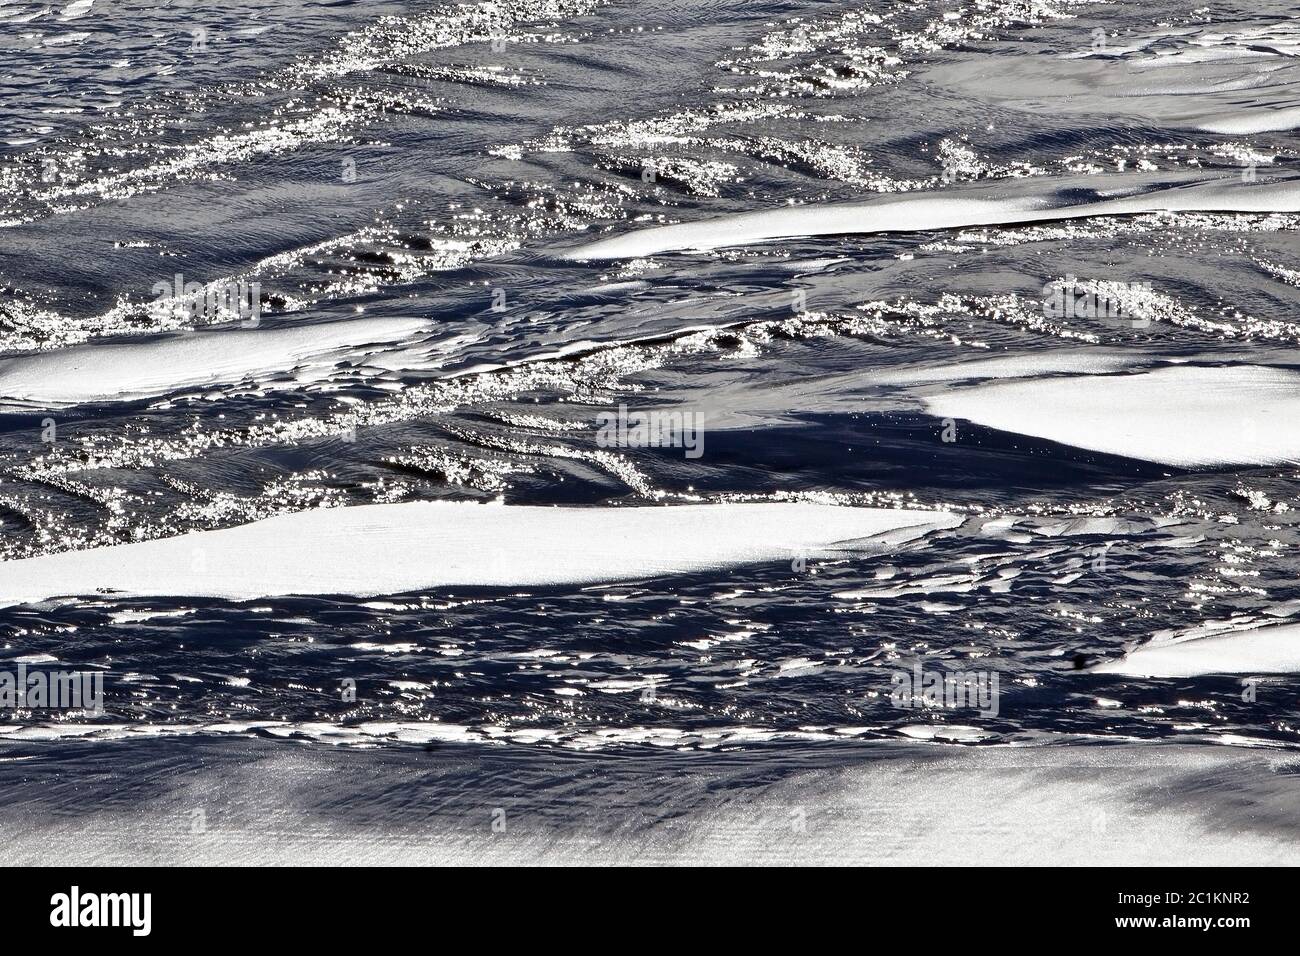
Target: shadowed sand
(242,801)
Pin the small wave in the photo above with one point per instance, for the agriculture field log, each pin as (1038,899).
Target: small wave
(1023,201)
(129,371)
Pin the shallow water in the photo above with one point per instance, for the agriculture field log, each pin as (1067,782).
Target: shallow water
(432,169)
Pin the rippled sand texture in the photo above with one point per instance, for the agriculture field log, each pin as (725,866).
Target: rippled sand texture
(254,803)
(985,313)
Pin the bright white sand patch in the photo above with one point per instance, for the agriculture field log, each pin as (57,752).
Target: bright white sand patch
(1033,200)
(389,549)
(1264,650)
(1184,416)
(132,370)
